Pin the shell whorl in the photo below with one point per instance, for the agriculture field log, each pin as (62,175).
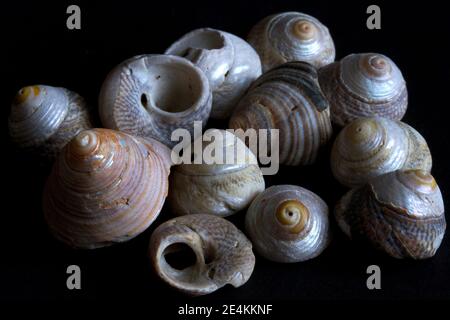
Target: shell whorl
(105,187)
(401,213)
(229,63)
(288,224)
(364,85)
(223,253)
(152,95)
(292,36)
(45,118)
(369,147)
(218,188)
(288,98)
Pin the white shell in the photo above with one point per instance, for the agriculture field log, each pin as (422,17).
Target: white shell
(288,224)
(364,85)
(292,36)
(229,63)
(369,147)
(152,95)
(218,189)
(45,118)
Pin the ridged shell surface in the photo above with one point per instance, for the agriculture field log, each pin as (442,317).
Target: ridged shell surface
(288,223)
(400,213)
(152,95)
(292,36)
(105,187)
(288,98)
(223,253)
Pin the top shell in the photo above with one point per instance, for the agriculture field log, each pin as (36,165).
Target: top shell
(292,36)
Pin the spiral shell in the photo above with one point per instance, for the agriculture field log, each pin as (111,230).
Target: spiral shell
(288,224)
(229,62)
(292,36)
(152,95)
(369,147)
(364,85)
(105,187)
(400,212)
(44,118)
(288,98)
(223,253)
(220,188)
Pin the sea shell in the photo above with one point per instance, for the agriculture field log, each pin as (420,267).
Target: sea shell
(369,147)
(106,187)
(223,255)
(229,62)
(288,98)
(400,212)
(364,85)
(288,223)
(216,187)
(44,118)
(152,95)
(292,36)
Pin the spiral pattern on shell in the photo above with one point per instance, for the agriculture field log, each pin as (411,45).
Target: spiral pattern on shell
(223,253)
(292,36)
(229,63)
(152,95)
(400,213)
(288,98)
(364,85)
(44,118)
(220,187)
(369,147)
(105,187)
(288,224)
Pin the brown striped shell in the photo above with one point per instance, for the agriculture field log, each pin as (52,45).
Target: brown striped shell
(400,213)
(105,187)
(223,254)
(288,98)
(152,95)
(292,36)
(369,147)
(364,85)
(44,119)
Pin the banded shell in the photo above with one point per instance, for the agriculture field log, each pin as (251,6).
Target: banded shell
(223,255)
(288,98)
(369,147)
(105,187)
(229,63)
(364,85)
(292,36)
(288,223)
(216,186)
(44,118)
(400,213)
(152,95)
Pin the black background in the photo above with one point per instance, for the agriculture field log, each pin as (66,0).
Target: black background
(40,49)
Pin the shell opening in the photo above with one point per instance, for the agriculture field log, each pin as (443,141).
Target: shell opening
(207,39)
(179,256)
(304,30)
(175,88)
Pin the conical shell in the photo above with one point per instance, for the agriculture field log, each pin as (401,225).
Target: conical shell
(364,85)
(400,213)
(288,224)
(105,187)
(44,119)
(219,187)
(223,253)
(288,98)
(229,63)
(369,147)
(292,36)
(152,95)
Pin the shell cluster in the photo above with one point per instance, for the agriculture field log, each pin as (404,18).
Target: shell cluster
(108,185)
